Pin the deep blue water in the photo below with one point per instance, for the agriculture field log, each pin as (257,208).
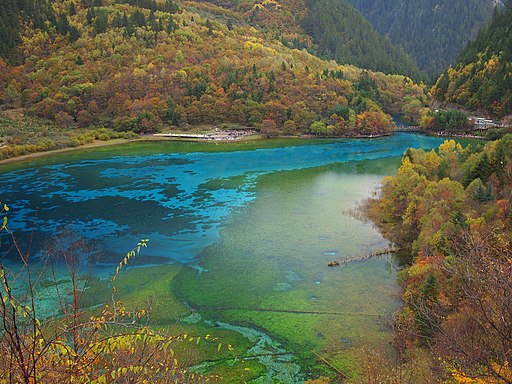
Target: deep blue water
(177,200)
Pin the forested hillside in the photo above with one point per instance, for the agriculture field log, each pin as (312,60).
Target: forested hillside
(332,29)
(39,14)
(433,32)
(342,33)
(140,65)
(482,77)
(451,212)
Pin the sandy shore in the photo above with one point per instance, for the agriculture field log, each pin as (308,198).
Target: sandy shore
(161,137)
(94,144)
(97,144)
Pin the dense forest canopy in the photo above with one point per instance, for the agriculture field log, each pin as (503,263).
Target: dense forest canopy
(342,33)
(332,29)
(140,65)
(451,212)
(12,12)
(482,77)
(433,32)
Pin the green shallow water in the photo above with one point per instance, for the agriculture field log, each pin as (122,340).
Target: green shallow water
(269,270)
(240,237)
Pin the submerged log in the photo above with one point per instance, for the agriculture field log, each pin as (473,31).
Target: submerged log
(279,310)
(323,360)
(378,253)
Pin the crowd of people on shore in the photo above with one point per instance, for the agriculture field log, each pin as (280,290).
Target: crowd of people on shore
(230,134)
(462,134)
(217,134)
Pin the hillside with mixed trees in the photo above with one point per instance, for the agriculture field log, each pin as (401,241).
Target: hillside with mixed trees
(38,14)
(342,33)
(451,213)
(331,29)
(482,77)
(141,65)
(433,32)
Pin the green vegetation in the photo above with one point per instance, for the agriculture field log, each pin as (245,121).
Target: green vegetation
(433,33)
(451,213)
(88,341)
(78,346)
(331,29)
(39,13)
(194,69)
(166,313)
(441,120)
(343,34)
(482,77)
(22,135)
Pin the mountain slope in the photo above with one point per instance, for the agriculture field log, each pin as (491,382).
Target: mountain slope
(433,32)
(38,13)
(342,33)
(145,65)
(450,212)
(482,77)
(332,29)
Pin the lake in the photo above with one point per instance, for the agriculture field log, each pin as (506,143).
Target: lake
(240,235)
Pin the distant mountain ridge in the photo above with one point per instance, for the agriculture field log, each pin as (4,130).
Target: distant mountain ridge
(481,79)
(434,32)
(342,33)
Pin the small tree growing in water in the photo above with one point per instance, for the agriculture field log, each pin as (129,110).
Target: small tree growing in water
(113,345)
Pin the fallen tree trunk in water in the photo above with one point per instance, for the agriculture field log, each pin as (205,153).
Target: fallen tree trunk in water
(276,310)
(380,252)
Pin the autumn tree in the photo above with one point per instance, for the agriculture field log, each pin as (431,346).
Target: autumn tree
(450,212)
(113,344)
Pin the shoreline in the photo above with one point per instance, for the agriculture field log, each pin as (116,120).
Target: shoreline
(95,144)
(166,137)
(458,135)
(100,144)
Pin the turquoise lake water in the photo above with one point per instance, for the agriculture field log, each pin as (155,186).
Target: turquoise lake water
(253,225)
(178,200)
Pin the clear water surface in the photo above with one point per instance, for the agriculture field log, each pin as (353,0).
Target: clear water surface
(254,225)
